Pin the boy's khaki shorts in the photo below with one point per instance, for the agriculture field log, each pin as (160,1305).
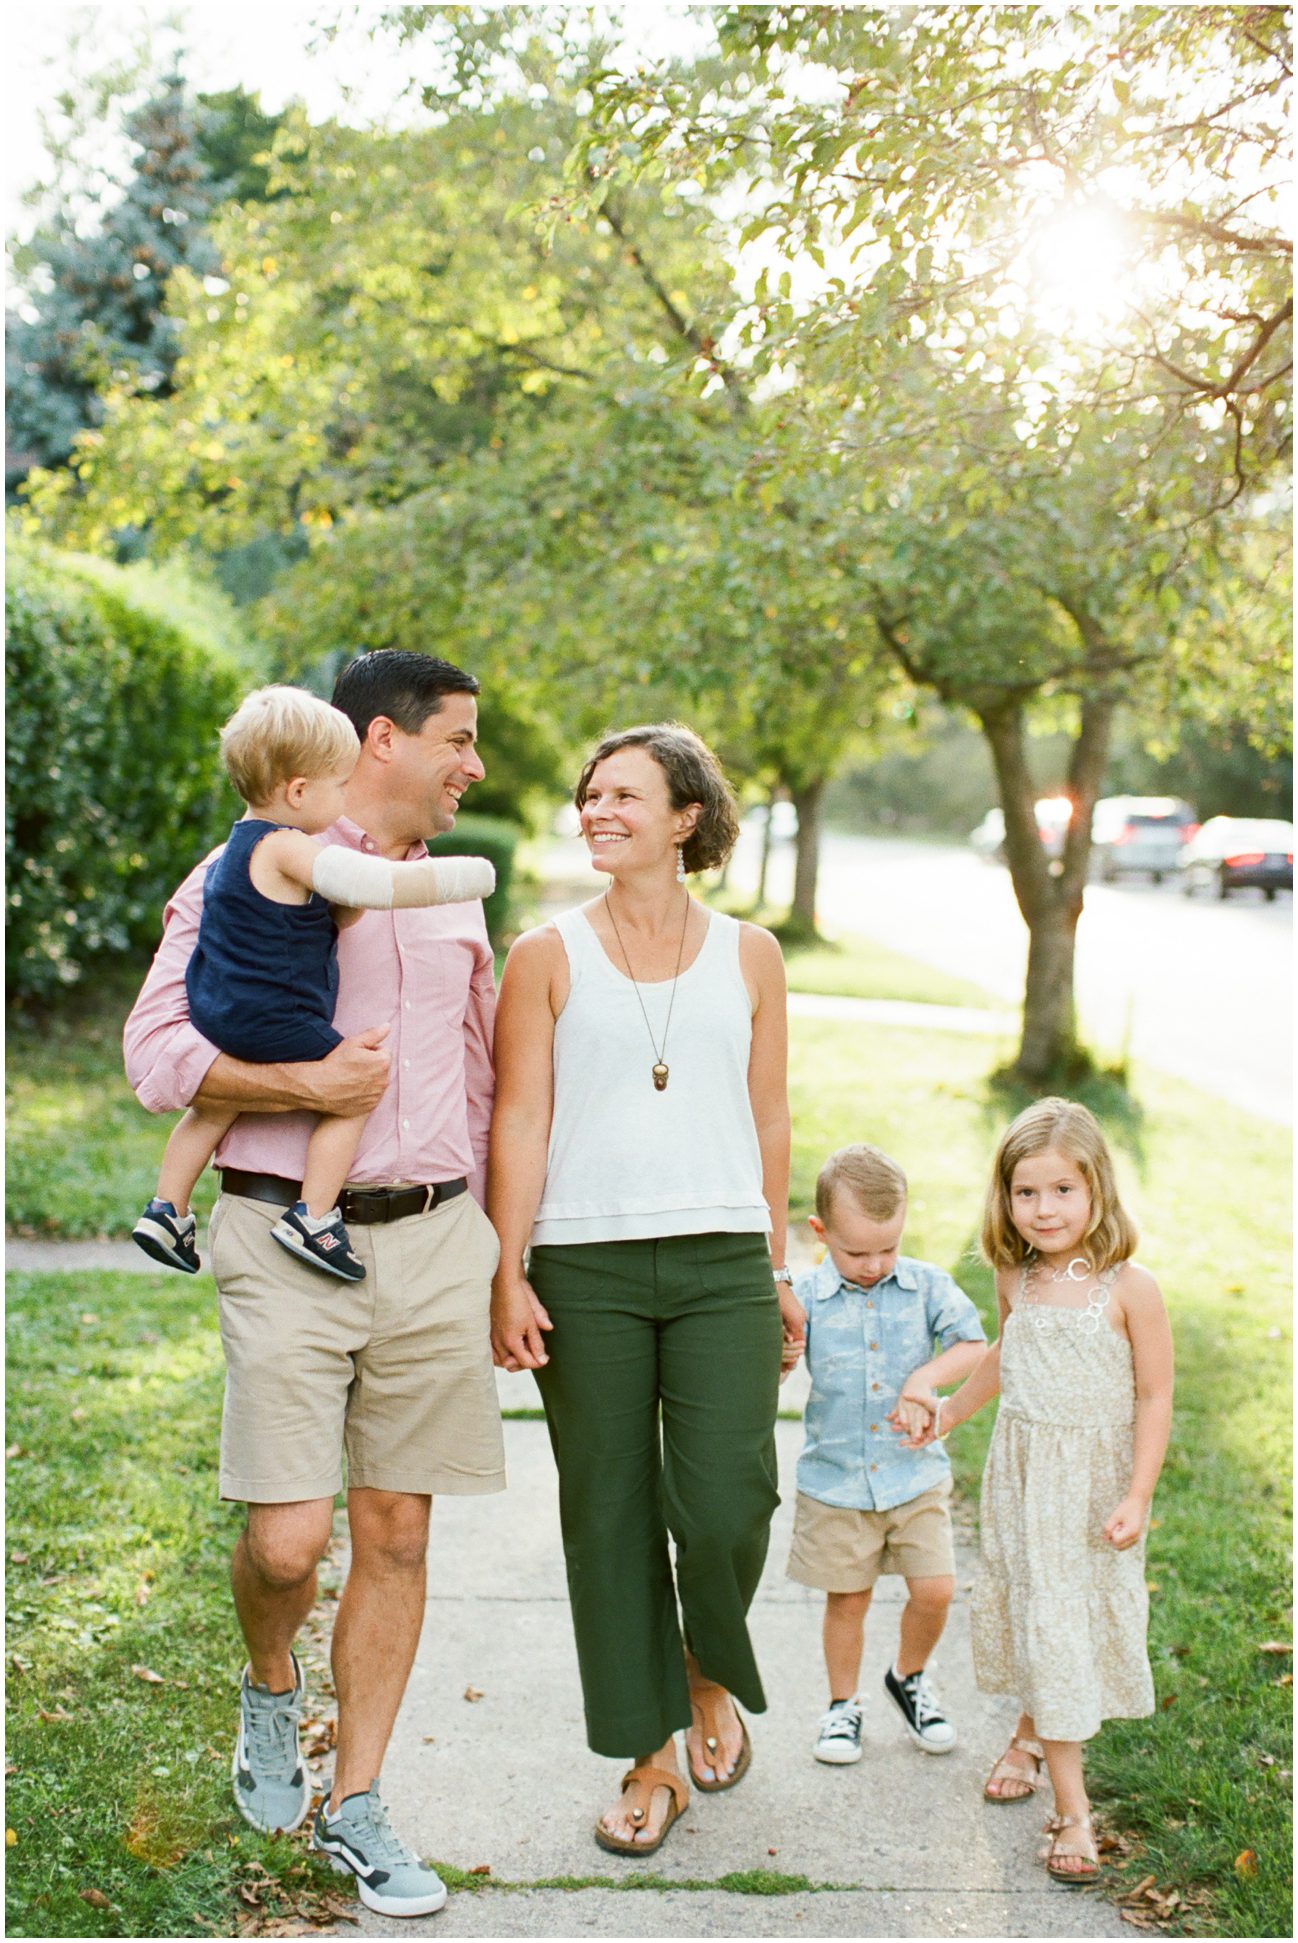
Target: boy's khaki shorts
(837,1549)
(395,1369)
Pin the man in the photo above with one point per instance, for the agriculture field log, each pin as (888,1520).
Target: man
(396,1369)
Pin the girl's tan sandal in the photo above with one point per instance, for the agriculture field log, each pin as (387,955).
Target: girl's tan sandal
(703,1699)
(646,1779)
(1003,1771)
(1055,1850)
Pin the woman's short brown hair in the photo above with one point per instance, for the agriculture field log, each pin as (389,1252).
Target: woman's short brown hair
(693,776)
(1068,1128)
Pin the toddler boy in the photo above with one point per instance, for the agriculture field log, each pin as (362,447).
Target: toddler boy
(866,1504)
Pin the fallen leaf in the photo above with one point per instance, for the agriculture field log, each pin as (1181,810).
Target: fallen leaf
(143,1593)
(481,1869)
(772,1851)
(473,1693)
(56,1578)
(429,1739)
(54,1713)
(11,1767)
(1136,1921)
(1246,1863)
(78,1415)
(19,1664)
(1275,1646)
(1285,1680)
(149,1677)
(1146,1883)
(95,1897)
(88,1319)
(11,1838)
(19,1558)
(14,1450)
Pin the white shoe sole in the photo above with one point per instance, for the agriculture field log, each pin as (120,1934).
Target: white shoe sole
(833,1758)
(374,1899)
(929,1747)
(157,1244)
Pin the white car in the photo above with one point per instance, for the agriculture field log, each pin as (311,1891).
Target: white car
(1054,814)
(1139,833)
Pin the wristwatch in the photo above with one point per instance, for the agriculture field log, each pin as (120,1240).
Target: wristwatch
(782,1275)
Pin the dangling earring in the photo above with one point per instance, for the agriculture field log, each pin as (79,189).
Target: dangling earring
(680,863)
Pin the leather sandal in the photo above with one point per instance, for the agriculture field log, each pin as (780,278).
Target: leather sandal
(1056,1850)
(704,1703)
(646,1779)
(1002,1771)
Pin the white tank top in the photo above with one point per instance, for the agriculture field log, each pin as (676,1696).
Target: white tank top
(625,1162)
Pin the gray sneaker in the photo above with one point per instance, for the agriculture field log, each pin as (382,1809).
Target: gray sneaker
(360,1841)
(271,1789)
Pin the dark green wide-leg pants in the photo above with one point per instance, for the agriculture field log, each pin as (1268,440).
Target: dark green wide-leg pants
(660,1395)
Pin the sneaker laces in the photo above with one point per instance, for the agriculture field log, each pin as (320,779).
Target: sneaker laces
(272,1733)
(384,1844)
(841,1723)
(926,1700)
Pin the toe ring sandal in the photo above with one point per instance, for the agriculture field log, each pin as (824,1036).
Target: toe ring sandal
(1055,1850)
(646,1779)
(1002,1772)
(703,1699)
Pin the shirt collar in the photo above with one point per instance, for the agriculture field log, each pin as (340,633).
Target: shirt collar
(829,1281)
(347,832)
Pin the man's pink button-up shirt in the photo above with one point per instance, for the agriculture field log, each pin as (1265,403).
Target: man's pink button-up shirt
(426,974)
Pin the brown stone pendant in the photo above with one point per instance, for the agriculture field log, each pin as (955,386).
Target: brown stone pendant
(660,1078)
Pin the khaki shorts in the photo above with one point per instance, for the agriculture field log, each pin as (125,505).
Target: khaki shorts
(837,1549)
(395,1369)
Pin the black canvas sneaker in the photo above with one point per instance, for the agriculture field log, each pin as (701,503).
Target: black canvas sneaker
(839,1739)
(916,1702)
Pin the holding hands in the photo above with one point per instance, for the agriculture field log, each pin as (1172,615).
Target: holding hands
(914,1415)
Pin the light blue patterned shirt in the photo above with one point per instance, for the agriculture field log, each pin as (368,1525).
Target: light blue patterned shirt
(862,1344)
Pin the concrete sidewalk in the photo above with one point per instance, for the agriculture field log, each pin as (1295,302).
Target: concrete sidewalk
(903,1843)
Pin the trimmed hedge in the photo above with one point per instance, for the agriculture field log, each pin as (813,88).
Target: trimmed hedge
(114,778)
(495,839)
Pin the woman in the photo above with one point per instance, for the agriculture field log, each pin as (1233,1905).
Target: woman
(640,1144)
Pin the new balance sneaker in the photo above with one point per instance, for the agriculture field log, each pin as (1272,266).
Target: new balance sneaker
(168,1237)
(917,1704)
(360,1841)
(271,1789)
(839,1741)
(320,1243)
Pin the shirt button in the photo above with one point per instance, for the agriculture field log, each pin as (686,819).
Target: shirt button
(874,1345)
(869,1305)
(874,1386)
(405,1123)
(874,1431)
(406,1064)
(874,1467)
(405,1004)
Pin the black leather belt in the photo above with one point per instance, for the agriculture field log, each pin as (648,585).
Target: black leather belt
(364,1204)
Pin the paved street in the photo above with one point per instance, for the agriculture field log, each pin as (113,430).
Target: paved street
(1200,988)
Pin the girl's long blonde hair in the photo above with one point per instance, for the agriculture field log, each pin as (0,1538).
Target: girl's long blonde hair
(1062,1127)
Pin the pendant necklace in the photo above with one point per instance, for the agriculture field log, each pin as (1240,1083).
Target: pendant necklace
(661,1071)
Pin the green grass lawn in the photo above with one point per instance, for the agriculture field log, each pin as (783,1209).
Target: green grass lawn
(117,1550)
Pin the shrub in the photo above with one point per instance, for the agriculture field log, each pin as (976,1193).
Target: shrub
(114,781)
(495,839)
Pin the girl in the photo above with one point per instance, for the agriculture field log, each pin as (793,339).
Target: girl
(1084,1367)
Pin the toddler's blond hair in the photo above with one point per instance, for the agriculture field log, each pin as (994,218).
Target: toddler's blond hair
(1063,1127)
(279,732)
(870,1176)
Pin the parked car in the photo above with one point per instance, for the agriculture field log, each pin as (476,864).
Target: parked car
(1146,833)
(1054,813)
(1232,852)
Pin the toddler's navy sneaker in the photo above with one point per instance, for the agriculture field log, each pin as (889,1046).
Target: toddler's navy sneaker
(168,1237)
(320,1243)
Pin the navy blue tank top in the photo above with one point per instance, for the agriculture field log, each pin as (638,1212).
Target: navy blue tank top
(263,978)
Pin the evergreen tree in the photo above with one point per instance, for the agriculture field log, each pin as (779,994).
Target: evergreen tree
(98,299)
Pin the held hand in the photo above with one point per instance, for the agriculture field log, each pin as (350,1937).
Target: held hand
(517,1320)
(353,1078)
(914,1418)
(793,1321)
(1124,1525)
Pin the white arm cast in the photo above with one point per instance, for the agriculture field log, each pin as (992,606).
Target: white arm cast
(377,884)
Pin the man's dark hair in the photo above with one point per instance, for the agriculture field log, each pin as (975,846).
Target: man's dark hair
(405,687)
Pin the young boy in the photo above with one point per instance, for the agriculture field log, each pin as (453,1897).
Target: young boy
(867,1505)
(263,977)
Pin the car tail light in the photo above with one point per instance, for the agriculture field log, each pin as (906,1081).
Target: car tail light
(1244,861)
(1125,834)
(1288,856)
(1190,831)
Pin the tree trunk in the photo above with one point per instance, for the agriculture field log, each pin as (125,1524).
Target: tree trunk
(1049,892)
(807,802)
(765,864)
